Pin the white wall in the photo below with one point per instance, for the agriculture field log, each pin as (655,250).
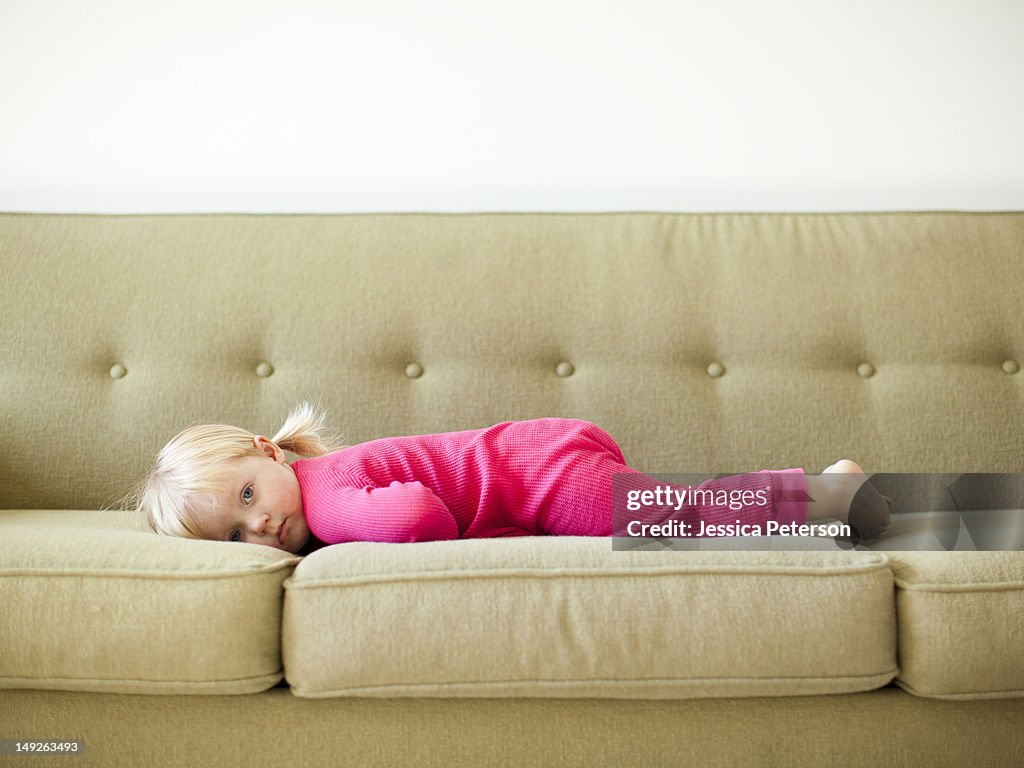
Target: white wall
(466,105)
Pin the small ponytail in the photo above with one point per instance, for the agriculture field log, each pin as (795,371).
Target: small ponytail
(304,433)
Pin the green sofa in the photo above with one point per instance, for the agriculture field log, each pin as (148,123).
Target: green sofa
(702,343)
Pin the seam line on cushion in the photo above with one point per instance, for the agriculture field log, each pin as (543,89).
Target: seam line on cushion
(421,576)
(158,575)
(997,586)
(586,680)
(1008,694)
(626,681)
(293,584)
(143,681)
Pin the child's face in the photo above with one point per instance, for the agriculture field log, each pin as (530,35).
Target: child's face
(260,503)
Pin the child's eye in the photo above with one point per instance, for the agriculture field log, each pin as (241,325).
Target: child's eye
(235,535)
(247,494)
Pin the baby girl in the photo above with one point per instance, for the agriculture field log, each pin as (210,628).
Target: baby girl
(520,478)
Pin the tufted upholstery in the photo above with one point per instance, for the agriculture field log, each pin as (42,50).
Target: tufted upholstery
(701,342)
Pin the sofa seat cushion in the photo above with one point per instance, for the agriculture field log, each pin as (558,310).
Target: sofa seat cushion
(92,602)
(568,617)
(961,623)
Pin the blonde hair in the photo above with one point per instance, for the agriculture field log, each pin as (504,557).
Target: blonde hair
(189,469)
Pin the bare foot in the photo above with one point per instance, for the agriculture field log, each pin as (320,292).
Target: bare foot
(854,500)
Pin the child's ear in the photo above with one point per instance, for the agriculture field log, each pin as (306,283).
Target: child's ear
(269,448)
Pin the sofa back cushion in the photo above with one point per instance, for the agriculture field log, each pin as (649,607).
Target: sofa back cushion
(700,342)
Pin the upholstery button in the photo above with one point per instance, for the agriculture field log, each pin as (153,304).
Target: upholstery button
(118,371)
(414,370)
(715,370)
(865,370)
(1011,366)
(263,370)
(564,369)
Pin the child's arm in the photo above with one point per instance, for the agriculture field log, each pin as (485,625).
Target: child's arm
(402,512)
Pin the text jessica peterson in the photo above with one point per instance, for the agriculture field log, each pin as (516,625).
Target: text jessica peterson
(676,498)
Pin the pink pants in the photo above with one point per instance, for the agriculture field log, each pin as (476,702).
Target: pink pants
(597,490)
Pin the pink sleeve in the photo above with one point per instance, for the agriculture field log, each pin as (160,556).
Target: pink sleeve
(402,512)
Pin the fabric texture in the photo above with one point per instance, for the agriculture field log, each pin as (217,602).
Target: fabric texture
(637,306)
(886,727)
(569,617)
(705,343)
(538,477)
(93,603)
(961,624)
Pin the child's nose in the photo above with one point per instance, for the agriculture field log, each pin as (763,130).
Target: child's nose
(259,523)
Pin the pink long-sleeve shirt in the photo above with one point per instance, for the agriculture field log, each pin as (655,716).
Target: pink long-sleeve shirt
(543,476)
